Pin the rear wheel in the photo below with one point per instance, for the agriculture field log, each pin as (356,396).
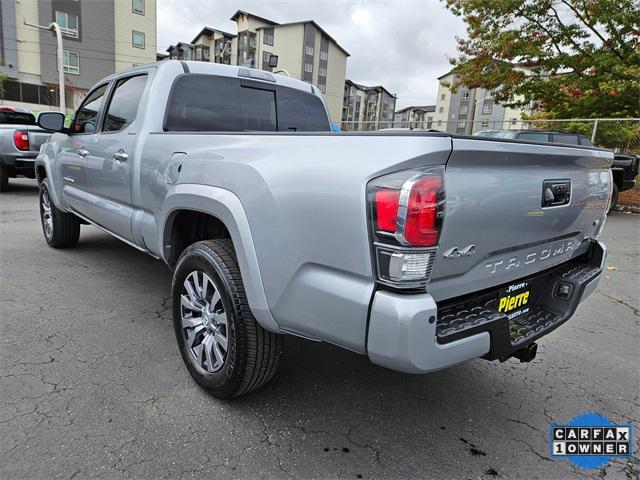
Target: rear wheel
(4,179)
(60,229)
(224,348)
(614,198)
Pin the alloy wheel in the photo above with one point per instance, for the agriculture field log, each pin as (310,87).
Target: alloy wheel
(47,218)
(204,321)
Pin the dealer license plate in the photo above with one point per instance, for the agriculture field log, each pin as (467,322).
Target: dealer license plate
(514,299)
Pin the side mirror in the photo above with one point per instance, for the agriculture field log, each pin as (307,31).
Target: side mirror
(52,121)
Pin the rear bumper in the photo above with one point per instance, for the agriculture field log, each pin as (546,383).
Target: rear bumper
(412,334)
(18,159)
(20,163)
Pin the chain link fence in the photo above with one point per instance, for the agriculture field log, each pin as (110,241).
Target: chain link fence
(618,134)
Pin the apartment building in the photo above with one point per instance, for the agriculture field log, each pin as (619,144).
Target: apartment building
(302,50)
(470,110)
(99,38)
(417,116)
(367,107)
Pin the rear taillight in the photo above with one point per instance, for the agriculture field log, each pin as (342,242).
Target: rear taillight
(21,139)
(407,209)
(387,209)
(421,227)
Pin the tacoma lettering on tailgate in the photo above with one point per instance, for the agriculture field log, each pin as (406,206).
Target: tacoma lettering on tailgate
(515,261)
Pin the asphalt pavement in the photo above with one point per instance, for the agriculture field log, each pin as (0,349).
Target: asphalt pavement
(92,384)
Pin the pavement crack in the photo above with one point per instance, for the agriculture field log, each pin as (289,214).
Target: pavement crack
(635,310)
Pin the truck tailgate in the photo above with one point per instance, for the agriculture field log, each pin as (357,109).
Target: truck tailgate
(37,138)
(498,227)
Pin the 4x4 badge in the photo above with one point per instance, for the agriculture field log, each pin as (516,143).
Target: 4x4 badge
(456,252)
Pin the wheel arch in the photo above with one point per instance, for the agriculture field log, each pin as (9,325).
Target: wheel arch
(224,210)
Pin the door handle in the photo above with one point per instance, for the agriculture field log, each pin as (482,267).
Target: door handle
(121,156)
(83,152)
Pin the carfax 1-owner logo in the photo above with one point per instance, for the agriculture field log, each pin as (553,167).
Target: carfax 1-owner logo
(590,440)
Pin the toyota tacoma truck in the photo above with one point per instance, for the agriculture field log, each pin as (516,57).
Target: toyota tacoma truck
(420,250)
(20,140)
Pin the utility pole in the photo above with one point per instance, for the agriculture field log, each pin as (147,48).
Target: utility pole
(56,28)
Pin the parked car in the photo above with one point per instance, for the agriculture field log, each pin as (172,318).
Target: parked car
(538,136)
(624,167)
(625,171)
(273,224)
(20,140)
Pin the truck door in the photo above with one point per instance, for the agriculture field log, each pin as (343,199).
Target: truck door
(109,167)
(72,159)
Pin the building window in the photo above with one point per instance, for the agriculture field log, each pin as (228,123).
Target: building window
(322,72)
(323,88)
(137,39)
(268,36)
(443,96)
(439,123)
(484,123)
(266,56)
(222,51)
(487,107)
(71,62)
(514,121)
(137,6)
(68,24)
(462,123)
(308,50)
(465,96)
(308,67)
(324,55)
(29,93)
(464,109)
(441,110)
(201,53)
(429,122)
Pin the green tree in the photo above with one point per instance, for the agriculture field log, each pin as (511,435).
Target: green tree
(585,54)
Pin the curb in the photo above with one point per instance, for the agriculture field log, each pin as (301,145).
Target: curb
(624,208)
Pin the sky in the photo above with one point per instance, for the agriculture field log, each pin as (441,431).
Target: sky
(403,45)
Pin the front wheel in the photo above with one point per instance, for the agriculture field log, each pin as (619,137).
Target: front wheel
(224,348)
(60,229)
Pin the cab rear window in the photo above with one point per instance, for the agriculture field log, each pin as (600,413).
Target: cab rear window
(208,103)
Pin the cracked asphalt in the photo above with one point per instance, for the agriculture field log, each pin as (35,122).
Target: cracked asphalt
(92,384)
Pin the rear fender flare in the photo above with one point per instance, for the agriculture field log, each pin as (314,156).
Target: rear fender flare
(225,206)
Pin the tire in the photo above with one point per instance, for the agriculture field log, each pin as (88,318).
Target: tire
(61,230)
(4,179)
(224,348)
(614,198)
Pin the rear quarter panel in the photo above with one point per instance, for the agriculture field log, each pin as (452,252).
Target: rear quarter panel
(304,197)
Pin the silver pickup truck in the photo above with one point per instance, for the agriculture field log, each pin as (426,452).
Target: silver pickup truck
(420,250)
(20,140)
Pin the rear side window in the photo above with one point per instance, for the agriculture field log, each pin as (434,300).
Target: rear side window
(8,117)
(534,137)
(222,104)
(203,103)
(123,106)
(86,119)
(565,138)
